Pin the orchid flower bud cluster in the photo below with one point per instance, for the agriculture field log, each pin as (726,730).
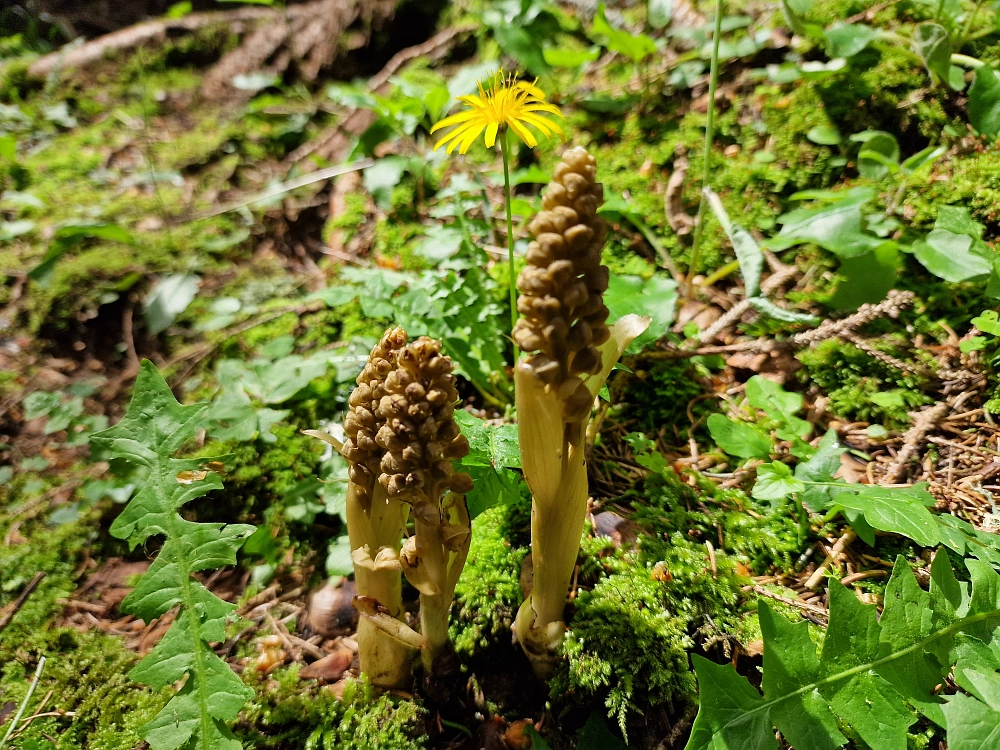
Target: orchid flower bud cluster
(401,441)
(421,439)
(562,287)
(376,524)
(570,351)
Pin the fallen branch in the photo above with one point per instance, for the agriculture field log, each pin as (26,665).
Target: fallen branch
(133,36)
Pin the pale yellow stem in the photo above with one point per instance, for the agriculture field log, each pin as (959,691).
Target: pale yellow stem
(385,660)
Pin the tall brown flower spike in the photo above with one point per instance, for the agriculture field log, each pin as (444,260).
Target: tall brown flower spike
(570,352)
(375,526)
(420,439)
(562,288)
(362,424)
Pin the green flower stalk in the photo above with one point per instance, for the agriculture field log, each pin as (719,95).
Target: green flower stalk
(570,351)
(421,439)
(375,526)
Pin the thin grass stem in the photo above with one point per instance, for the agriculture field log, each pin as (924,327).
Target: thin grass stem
(713,81)
(24,703)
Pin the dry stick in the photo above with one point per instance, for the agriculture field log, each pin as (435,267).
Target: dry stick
(922,424)
(815,579)
(14,608)
(781,275)
(855,577)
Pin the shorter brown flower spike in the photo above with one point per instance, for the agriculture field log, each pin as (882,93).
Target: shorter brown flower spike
(362,423)
(564,316)
(418,430)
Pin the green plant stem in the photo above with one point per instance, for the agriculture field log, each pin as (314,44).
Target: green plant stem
(504,145)
(713,80)
(24,704)
(722,273)
(968,25)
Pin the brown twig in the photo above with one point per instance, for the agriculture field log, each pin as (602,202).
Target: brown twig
(817,577)
(15,607)
(922,424)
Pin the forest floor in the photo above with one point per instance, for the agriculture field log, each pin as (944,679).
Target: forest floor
(249,197)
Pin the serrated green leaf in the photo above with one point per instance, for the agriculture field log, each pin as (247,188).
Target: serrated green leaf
(972,725)
(822,467)
(779,405)
(493,456)
(655,298)
(154,428)
(867,671)
(988,322)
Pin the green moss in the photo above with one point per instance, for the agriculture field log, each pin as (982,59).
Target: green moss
(286,712)
(53,550)
(658,396)
(489,592)
(850,379)
(353,217)
(639,613)
(88,676)
(622,640)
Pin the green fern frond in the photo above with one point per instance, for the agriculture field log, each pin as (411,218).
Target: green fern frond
(154,427)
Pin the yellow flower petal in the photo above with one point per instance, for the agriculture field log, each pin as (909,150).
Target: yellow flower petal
(523,133)
(491,134)
(546,126)
(455,119)
(470,137)
(502,101)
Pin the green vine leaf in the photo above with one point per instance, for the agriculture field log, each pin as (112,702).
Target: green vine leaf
(154,427)
(869,672)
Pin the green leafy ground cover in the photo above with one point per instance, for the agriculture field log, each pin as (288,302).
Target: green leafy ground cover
(861,160)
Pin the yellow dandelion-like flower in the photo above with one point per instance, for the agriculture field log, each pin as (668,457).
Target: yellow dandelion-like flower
(503,101)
